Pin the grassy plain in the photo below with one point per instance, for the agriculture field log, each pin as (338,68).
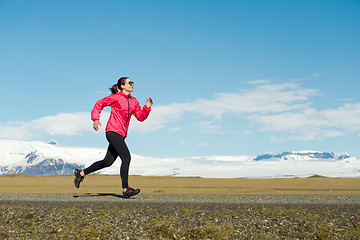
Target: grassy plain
(180,185)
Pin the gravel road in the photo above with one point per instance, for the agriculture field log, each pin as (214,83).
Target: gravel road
(160,216)
(187,198)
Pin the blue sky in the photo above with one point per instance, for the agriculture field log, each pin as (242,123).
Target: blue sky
(226,77)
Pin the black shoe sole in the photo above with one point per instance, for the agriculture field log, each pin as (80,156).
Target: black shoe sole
(136,192)
(78,178)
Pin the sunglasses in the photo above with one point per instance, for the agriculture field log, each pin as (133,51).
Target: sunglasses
(131,83)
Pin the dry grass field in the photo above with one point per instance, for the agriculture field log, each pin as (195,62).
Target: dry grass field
(180,185)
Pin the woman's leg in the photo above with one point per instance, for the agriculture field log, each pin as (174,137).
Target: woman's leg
(118,143)
(109,159)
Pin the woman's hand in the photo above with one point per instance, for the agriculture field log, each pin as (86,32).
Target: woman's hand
(96,125)
(149,103)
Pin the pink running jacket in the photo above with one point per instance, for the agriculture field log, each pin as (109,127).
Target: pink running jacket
(122,108)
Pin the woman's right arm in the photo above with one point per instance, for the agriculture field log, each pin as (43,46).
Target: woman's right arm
(96,125)
(98,107)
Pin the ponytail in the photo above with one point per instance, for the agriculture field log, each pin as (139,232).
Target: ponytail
(114,89)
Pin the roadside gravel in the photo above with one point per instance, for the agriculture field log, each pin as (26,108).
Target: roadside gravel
(160,216)
(187,198)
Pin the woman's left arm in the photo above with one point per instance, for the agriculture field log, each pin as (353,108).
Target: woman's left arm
(149,103)
(142,113)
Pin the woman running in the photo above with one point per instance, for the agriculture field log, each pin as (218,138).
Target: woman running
(123,106)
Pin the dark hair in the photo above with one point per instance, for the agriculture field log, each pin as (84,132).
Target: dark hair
(115,87)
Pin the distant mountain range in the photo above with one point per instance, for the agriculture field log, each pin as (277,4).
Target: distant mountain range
(303,155)
(40,158)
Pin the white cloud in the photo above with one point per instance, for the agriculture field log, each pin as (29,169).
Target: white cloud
(209,127)
(263,99)
(274,139)
(310,124)
(201,144)
(67,124)
(260,81)
(346,117)
(246,132)
(344,99)
(16,130)
(64,124)
(316,75)
(305,120)
(159,117)
(175,129)
(270,98)
(282,108)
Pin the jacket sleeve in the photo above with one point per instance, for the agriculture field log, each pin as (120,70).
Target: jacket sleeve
(141,113)
(99,106)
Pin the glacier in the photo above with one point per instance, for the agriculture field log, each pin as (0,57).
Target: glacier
(41,158)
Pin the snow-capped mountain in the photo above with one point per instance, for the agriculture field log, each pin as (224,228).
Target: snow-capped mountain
(38,164)
(303,155)
(40,158)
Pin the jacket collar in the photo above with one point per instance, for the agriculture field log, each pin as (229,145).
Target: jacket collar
(123,94)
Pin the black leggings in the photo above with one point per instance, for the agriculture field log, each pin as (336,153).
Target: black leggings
(117,147)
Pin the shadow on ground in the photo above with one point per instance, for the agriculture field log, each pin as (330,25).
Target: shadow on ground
(100,195)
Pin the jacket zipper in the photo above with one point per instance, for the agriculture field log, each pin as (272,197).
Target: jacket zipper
(128,118)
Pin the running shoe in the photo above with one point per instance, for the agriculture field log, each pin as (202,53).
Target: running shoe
(130,192)
(78,178)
